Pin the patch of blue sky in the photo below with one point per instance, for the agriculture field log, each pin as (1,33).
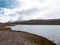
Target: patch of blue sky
(8,3)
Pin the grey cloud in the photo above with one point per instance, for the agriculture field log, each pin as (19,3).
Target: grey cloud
(43,1)
(28,12)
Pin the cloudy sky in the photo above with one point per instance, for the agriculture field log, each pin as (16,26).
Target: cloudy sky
(20,10)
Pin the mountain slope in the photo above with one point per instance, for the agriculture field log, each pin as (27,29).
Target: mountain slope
(33,22)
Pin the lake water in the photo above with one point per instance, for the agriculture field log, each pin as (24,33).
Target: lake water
(51,32)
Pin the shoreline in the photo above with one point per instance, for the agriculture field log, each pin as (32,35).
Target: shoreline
(8,34)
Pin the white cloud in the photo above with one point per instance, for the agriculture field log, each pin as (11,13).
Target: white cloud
(8,15)
(48,9)
(32,9)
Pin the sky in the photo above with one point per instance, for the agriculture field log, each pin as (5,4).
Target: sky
(21,10)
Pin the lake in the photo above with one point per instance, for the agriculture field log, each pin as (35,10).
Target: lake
(51,32)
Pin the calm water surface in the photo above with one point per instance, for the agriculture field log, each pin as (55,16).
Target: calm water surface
(51,32)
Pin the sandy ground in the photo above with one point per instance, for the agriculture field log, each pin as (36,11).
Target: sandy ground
(8,37)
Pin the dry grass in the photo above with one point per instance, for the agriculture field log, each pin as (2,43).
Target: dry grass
(8,37)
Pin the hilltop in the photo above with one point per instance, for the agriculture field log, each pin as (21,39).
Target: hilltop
(33,22)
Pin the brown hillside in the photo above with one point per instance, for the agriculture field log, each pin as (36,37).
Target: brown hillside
(33,22)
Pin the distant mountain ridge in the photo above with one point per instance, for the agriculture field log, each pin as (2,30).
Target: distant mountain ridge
(33,22)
